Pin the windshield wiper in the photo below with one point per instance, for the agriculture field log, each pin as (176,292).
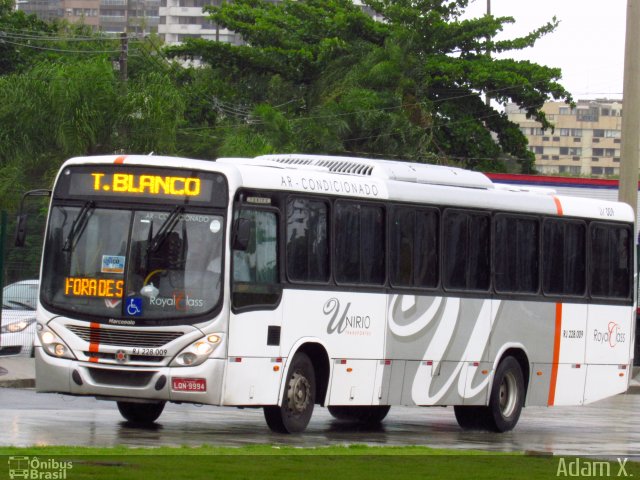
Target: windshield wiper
(78,226)
(166,228)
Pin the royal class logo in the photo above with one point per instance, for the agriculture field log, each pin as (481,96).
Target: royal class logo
(180,301)
(342,322)
(612,336)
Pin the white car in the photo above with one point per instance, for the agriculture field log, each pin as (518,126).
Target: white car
(18,322)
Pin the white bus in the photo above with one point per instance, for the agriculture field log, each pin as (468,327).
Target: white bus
(285,281)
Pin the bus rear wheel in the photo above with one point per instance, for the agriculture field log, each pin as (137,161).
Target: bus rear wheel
(367,415)
(141,413)
(507,396)
(470,417)
(299,398)
(505,401)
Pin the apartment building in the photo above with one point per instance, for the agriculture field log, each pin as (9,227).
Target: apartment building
(114,16)
(182,19)
(173,20)
(585,140)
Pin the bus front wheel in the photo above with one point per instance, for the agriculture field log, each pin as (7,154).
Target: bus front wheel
(367,415)
(299,398)
(141,413)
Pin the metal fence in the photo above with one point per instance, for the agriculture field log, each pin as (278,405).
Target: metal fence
(20,269)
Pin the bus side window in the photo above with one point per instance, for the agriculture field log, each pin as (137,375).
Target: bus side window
(610,261)
(414,247)
(564,257)
(466,251)
(255,261)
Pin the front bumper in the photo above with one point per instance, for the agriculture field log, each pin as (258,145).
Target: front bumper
(121,382)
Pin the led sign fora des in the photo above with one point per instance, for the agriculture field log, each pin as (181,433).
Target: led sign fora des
(146,184)
(93,287)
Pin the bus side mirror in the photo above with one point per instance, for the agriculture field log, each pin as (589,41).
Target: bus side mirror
(243,228)
(21,224)
(21,230)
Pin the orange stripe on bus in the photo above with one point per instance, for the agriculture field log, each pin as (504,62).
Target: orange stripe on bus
(556,355)
(558,204)
(120,159)
(94,339)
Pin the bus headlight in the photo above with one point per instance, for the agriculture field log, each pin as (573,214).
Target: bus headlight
(197,352)
(53,345)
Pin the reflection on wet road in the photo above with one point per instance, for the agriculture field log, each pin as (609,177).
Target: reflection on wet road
(610,427)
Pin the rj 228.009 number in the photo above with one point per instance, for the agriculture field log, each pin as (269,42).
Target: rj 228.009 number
(150,351)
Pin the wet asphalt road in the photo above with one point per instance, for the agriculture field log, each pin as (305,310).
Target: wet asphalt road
(607,428)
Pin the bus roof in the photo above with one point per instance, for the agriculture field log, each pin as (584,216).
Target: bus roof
(385,179)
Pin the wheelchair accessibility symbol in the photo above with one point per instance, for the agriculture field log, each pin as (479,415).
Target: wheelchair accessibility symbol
(134,306)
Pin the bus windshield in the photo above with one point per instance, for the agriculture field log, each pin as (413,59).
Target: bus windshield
(127,263)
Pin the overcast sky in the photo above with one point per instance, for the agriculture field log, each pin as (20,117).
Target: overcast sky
(588,45)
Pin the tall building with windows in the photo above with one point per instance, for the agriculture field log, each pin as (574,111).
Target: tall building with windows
(585,140)
(133,16)
(182,19)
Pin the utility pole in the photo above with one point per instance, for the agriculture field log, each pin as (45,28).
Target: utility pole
(630,148)
(487,98)
(124,53)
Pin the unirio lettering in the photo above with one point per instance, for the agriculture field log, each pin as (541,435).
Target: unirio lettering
(340,323)
(147,184)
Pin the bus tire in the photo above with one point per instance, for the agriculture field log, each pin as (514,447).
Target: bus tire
(507,396)
(367,415)
(141,413)
(471,417)
(298,400)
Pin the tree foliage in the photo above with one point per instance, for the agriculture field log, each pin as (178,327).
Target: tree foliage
(58,110)
(319,76)
(13,56)
(412,85)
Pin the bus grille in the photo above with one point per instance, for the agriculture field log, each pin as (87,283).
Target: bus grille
(124,338)
(120,378)
(130,358)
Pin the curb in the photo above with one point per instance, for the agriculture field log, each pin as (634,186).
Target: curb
(17,372)
(18,383)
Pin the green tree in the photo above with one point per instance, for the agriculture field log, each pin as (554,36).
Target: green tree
(412,85)
(52,112)
(57,110)
(16,30)
(152,110)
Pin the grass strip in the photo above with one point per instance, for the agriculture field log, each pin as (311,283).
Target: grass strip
(265,462)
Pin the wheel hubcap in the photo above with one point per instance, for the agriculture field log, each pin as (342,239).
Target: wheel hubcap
(508,395)
(299,393)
